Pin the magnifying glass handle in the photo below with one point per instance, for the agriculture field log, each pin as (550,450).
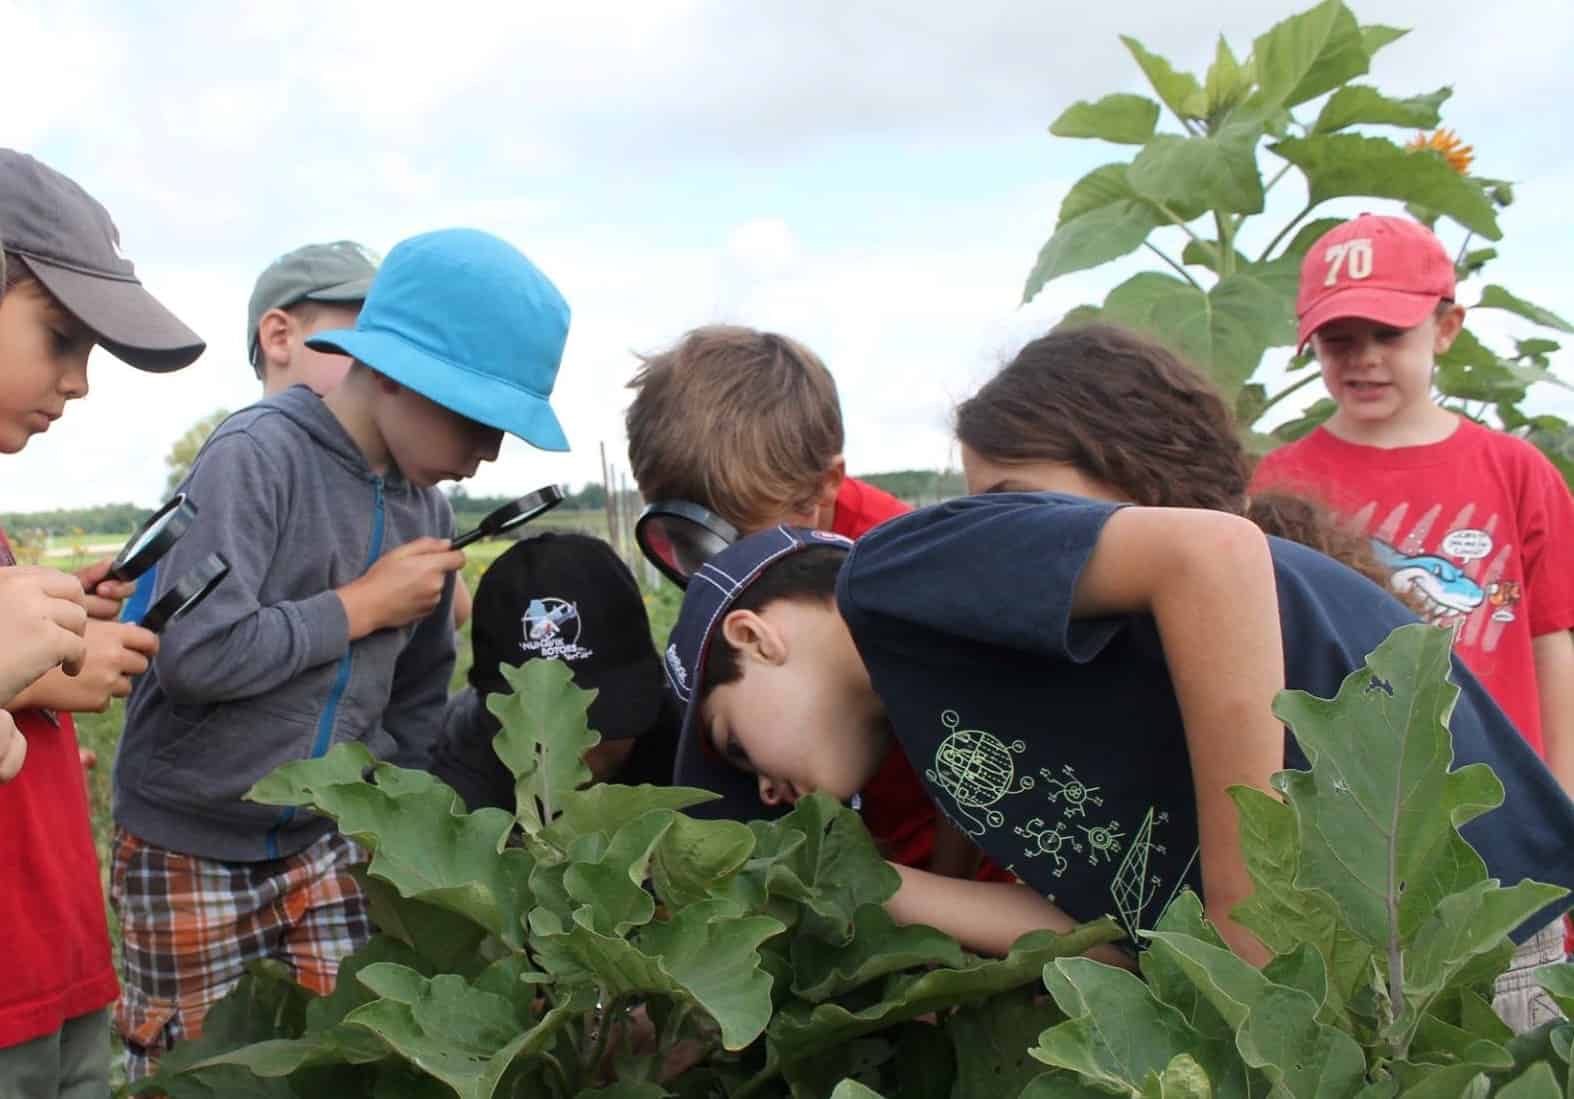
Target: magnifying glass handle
(465,539)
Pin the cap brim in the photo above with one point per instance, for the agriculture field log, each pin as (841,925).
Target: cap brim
(354,290)
(455,386)
(129,322)
(1397,308)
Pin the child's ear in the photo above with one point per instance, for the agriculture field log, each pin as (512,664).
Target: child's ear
(753,637)
(273,340)
(1449,324)
(825,495)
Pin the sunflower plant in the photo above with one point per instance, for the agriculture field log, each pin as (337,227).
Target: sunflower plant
(1195,193)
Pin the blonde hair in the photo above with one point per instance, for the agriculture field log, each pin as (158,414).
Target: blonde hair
(743,422)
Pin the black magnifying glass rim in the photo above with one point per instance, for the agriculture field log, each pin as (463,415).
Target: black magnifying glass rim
(186,593)
(529,506)
(171,522)
(690,512)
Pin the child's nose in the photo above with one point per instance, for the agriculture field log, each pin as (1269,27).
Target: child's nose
(775,793)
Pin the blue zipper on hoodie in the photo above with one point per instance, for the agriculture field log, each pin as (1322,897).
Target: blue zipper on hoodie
(342,680)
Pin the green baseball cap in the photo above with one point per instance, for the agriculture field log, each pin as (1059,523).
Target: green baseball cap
(339,272)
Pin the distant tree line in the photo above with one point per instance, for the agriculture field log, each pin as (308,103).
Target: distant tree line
(100,519)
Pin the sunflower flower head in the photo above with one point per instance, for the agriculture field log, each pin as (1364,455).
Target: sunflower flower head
(1445,142)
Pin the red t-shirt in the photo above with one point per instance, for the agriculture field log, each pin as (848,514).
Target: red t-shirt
(896,809)
(1480,524)
(54,943)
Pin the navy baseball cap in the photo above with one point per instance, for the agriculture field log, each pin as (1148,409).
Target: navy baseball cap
(712,591)
(465,320)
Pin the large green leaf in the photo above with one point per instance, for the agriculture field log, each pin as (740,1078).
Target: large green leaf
(878,947)
(994,1042)
(545,735)
(1223,332)
(610,890)
(1120,118)
(1336,165)
(705,955)
(1116,1033)
(833,872)
(799,1030)
(1308,54)
(1218,171)
(1360,104)
(606,807)
(696,856)
(1227,81)
(1308,235)
(1101,218)
(419,843)
(1380,811)
(1179,90)
(1495,297)
(1471,371)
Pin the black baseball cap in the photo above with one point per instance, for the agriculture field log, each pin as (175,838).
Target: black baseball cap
(70,244)
(713,589)
(568,597)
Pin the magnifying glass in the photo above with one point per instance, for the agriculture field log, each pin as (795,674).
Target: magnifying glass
(678,537)
(154,539)
(188,591)
(509,516)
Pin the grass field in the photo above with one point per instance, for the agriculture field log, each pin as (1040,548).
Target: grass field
(100,733)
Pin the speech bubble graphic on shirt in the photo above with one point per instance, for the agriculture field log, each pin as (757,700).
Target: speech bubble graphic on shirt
(1468,544)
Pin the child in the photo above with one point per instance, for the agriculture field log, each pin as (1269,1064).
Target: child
(1476,523)
(561,597)
(747,424)
(334,624)
(66,288)
(1155,626)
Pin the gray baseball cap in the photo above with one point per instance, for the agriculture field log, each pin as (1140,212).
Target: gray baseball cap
(339,272)
(71,246)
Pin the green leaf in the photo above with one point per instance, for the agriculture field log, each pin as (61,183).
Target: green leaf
(606,807)
(703,955)
(1309,54)
(1200,253)
(852,1089)
(696,856)
(1179,90)
(1463,927)
(1101,218)
(1223,332)
(1380,811)
(878,947)
(1336,165)
(1281,913)
(1360,104)
(1278,1028)
(443,939)
(631,1090)
(1116,1032)
(611,889)
(1218,171)
(1495,297)
(1471,371)
(994,1041)
(1308,235)
(466,1038)
(1226,82)
(799,1030)
(1307,422)
(833,872)
(1375,36)
(1558,980)
(545,735)
(1120,118)
(1537,1082)
(419,844)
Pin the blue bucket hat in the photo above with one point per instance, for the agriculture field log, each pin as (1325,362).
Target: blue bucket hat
(465,320)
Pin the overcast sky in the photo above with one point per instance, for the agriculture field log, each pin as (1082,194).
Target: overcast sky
(872,178)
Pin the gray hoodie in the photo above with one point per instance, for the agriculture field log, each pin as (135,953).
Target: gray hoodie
(263,672)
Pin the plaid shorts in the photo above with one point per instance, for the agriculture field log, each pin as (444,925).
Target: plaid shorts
(190,926)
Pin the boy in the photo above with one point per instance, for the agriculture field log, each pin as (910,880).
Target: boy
(747,424)
(1080,682)
(334,624)
(1475,523)
(66,288)
(561,597)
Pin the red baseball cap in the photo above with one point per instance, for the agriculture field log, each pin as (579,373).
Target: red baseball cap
(1386,269)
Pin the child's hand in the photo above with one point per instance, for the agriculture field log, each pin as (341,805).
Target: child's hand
(116,653)
(104,596)
(401,587)
(41,619)
(13,747)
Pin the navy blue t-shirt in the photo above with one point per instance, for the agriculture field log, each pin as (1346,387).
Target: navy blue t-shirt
(1057,745)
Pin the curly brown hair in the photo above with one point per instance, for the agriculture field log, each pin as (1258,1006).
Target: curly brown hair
(1117,407)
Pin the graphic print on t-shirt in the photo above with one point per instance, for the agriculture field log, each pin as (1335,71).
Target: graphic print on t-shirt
(976,770)
(1460,583)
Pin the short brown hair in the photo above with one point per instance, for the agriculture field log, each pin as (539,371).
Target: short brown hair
(1117,407)
(806,577)
(743,422)
(13,272)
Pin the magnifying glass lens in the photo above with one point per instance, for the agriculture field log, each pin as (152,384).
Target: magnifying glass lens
(682,544)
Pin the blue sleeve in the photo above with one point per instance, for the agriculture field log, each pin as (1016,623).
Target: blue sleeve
(998,570)
(141,599)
